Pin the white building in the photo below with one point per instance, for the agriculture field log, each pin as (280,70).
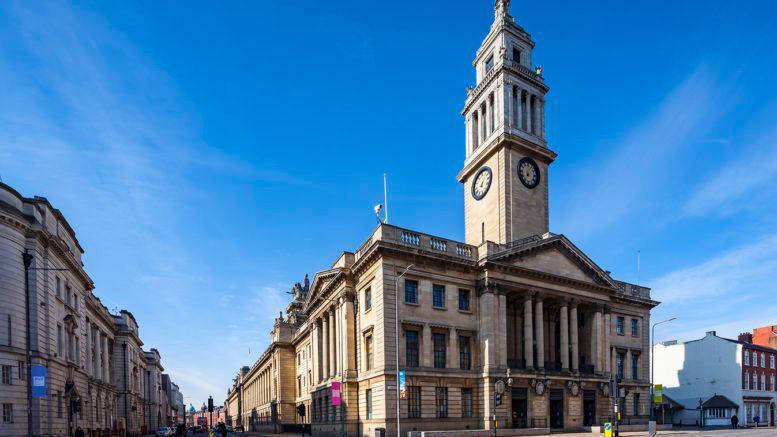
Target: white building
(706,373)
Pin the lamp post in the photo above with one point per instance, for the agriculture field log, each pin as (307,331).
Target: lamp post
(396,333)
(652,363)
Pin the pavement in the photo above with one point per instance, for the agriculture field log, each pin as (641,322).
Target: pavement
(759,432)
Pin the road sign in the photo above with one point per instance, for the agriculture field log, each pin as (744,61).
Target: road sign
(658,394)
(402,392)
(607,429)
(38,374)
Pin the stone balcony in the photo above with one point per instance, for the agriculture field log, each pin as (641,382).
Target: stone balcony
(396,236)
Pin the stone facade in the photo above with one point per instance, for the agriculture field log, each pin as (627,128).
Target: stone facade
(514,304)
(71,332)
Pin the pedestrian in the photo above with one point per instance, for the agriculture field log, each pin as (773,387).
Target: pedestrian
(79,432)
(222,429)
(734,421)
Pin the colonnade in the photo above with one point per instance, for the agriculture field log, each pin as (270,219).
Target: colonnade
(332,335)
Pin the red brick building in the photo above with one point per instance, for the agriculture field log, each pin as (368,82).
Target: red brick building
(206,418)
(759,371)
(766,336)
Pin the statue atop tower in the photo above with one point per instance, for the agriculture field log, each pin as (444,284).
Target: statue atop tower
(501,9)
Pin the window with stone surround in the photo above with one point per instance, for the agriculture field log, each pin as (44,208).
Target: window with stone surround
(466,402)
(368,351)
(411,291)
(620,357)
(368,396)
(463,299)
(771,361)
(465,355)
(763,360)
(489,63)
(619,325)
(634,366)
(516,55)
(636,404)
(6,375)
(441,402)
(59,341)
(7,413)
(439,350)
(438,296)
(634,328)
(21,370)
(747,357)
(411,348)
(413,402)
(58,287)
(368,299)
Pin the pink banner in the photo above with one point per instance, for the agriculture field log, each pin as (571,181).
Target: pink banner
(335,393)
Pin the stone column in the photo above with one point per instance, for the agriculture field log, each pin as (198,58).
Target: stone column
(98,369)
(332,342)
(607,333)
(528,113)
(627,365)
(89,348)
(519,110)
(349,349)
(427,349)
(574,337)
(536,116)
(106,364)
(325,345)
(452,360)
(564,336)
(539,328)
(542,118)
(528,339)
(598,330)
(501,330)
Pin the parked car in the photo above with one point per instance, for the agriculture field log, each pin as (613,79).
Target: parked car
(165,432)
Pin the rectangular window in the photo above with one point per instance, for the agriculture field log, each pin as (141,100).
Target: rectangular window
(771,361)
(59,404)
(411,348)
(636,404)
(21,370)
(619,363)
(747,358)
(58,286)
(619,326)
(634,328)
(634,366)
(411,291)
(442,402)
(413,402)
(7,413)
(439,350)
(6,371)
(369,403)
(516,55)
(489,63)
(368,350)
(59,341)
(367,299)
(763,360)
(69,299)
(463,299)
(747,381)
(763,382)
(466,402)
(465,356)
(438,296)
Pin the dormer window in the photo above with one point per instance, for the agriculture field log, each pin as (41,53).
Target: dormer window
(516,55)
(490,63)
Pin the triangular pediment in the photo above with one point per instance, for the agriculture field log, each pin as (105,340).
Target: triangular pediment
(320,282)
(557,256)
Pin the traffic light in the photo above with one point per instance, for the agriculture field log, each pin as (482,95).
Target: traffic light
(498,400)
(210,405)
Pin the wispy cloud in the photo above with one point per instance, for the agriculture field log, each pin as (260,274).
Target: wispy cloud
(745,182)
(719,293)
(641,163)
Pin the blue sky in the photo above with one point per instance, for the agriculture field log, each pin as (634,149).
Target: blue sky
(210,156)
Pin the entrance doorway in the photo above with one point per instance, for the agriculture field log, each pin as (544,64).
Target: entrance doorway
(771,414)
(519,404)
(589,408)
(557,408)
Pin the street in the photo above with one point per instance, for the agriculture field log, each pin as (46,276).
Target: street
(761,432)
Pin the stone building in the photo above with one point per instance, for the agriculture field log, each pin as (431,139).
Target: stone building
(513,304)
(157,405)
(72,334)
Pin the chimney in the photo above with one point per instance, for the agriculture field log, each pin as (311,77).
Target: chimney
(746,337)
(713,333)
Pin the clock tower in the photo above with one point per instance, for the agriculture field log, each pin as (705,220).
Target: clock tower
(505,174)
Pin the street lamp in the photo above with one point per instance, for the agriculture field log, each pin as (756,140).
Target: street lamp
(396,333)
(652,363)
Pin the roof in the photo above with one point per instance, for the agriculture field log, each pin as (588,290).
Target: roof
(719,401)
(671,403)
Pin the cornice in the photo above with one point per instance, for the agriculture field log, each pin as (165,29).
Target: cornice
(509,141)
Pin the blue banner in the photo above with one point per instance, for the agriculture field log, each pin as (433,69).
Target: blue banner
(38,381)
(402,393)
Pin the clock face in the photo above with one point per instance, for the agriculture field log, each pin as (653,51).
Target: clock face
(528,172)
(482,183)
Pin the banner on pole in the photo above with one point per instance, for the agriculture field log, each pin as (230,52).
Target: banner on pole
(402,391)
(335,393)
(658,394)
(38,374)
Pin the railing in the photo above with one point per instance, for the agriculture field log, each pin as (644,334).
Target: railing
(438,244)
(360,251)
(526,71)
(411,238)
(462,250)
(518,363)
